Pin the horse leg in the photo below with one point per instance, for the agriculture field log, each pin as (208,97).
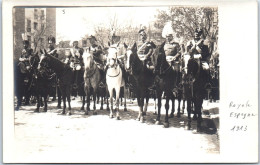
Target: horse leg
(179,106)
(38,103)
(59,98)
(139,105)
(183,105)
(198,111)
(166,123)
(117,103)
(155,105)
(107,99)
(64,101)
(125,91)
(83,102)
(111,103)
(102,101)
(94,100)
(45,102)
(146,102)
(68,99)
(159,96)
(188,126)
(173,107)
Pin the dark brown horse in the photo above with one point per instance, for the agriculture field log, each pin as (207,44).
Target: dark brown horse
(196,79)
(165,82)
(64,74)
(142,77)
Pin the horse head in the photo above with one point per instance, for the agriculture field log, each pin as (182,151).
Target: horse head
(130,55)
(157,58)
(113,52)
(88,58)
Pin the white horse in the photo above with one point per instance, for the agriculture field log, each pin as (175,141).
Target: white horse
(114,78)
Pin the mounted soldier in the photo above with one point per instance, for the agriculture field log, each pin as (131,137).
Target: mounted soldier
(54,81)
(24,63)
(199,51)
(98,58)
(145,48)
(172,51)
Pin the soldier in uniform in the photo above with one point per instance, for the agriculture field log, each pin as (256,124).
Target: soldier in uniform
(145,48)
(197,46)
(76,63)
(54,81)
(173,49)
(98,58)
(24,58)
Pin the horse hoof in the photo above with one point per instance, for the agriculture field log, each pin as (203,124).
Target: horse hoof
(157,123)
(94,113)
(111,116)
(45,110)
(178,115)
(142,120)
(86,113)
(101,108)
(118,117)
(82,108)
(137,119)
(58,106)
(63,113)
(69,113)
(166,125)
(125,109)
(171,115)
(37,111)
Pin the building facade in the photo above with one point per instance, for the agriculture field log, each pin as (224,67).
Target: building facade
(35,24)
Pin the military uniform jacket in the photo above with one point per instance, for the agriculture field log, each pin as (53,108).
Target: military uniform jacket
(201,48)
(26,53)
(172,49)
(145,48)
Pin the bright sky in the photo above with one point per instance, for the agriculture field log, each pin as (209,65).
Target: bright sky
(74,23)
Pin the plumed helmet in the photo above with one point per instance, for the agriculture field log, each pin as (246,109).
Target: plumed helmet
(167,29)
(143,28)
(199,30)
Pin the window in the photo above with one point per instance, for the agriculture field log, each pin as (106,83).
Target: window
(30,40)
(35,26)
(28,25)
(35,14)
(42,26)
(42,14)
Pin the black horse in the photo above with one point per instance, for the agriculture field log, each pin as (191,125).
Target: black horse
(195,81)
(64,74)
(142,76)
(165,81)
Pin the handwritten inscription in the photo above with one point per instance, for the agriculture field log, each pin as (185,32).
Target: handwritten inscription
(239,105)
(240,111)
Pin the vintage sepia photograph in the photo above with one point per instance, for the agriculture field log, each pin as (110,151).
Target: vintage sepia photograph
(131,67)
(121,84)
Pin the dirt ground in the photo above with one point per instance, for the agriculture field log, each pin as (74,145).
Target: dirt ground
(51,137)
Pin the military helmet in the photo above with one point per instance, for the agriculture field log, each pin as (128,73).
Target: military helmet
(51,40)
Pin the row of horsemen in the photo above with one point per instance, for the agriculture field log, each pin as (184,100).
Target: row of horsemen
(73,58)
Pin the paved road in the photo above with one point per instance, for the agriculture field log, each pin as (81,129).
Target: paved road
(51,137)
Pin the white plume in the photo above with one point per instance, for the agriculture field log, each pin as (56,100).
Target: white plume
(167,29)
